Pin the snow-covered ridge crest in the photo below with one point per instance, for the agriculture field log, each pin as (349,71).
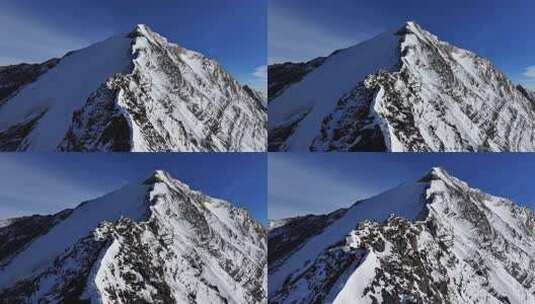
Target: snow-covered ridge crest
(145,31)
(455,100)
(316,94)
(403,91)
(464,246)
(153,241)
(133,92)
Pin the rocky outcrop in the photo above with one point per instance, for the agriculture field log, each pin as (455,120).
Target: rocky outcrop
(154,242)
(139,93)
(15,77)
(21,231)
(282,75)
(282,241)
(459,246)
(431,96)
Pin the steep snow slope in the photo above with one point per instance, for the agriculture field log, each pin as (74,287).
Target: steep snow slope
(17,233)
(282,75)
(425,95)
(404,200)
(133,92)
(126,202)
(15,77)
(154,242)
(62,90)
(444,242)
(307,103)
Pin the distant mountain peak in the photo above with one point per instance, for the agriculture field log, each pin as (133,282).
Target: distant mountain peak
(158,176)
(143,28)
(412,25)
(436,173)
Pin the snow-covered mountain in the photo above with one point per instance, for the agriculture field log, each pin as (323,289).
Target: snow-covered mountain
(131,92)
(153,242)
(436,240)
(404,90)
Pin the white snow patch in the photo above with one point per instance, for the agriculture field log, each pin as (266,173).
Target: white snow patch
(362,277)
(6,222)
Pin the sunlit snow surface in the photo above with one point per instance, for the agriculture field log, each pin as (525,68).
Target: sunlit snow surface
(127,202)
(466,246)
(406,200)
(156,241)
(423,93)
(135,92)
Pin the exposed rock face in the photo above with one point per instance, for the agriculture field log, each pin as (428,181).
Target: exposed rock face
(15,77)
(259,97)
(99,126)
(283,241)
(424,95)
(138,93)
(528,93)
(155,242)
(282,75)
(459,246)
(21,231)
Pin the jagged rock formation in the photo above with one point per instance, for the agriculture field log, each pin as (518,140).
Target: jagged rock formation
(132,92)
(153,242)
(433,241)
(403,90)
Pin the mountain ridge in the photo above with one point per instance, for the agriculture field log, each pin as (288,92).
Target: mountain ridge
(154,241)
(460,249)
(407,91)
(132,92)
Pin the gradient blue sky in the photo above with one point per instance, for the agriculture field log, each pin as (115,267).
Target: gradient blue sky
(231,31)
(44,183)
(317,183)
(500,30)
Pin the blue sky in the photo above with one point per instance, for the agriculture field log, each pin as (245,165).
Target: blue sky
(230,31)
(44,183)
(317,183)
(500,30)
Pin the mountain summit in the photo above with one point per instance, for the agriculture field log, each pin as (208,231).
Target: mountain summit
(404,90)
(435,240)
(131,92)
(153,242)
